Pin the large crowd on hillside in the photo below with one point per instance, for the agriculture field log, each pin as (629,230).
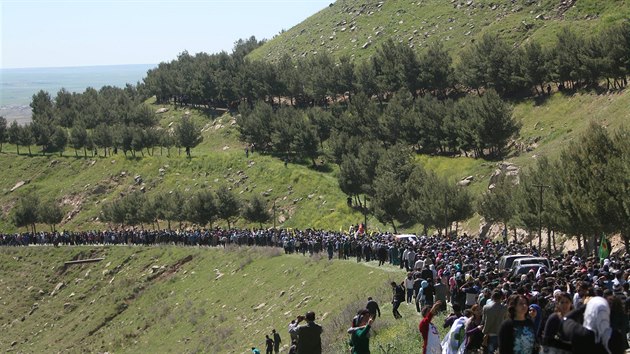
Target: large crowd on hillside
(579,304)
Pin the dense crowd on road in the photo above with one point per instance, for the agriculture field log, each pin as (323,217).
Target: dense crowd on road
(547,309)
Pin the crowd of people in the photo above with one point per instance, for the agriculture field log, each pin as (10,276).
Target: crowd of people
(578,304)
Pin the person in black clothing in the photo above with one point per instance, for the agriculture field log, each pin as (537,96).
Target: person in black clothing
(372,306)
(552,340)
(398,297)
(517,334)
(268,345)
(426,273)
(594,335)
(276,341)
(429,293)
(457,313)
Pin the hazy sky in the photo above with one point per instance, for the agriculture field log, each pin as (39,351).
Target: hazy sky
(52,33)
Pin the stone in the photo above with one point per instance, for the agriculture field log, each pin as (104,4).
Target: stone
(463,183)
(18,185)
(364,46)
(57,288)
(161,110)
(261,306)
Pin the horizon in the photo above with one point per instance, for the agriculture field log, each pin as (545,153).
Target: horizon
(77,66)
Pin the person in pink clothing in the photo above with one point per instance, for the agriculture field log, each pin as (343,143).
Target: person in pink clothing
(430,336)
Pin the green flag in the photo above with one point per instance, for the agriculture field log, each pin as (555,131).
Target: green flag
(603,248)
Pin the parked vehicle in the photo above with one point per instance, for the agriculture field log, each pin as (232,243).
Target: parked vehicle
(407,237)
(505,262)
(526,268)
(531,260)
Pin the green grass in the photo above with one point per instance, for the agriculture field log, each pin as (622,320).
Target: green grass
(421,22)
(304,197)
(223,301)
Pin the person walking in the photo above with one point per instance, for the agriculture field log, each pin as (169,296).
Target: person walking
(493,315)
(398,297)
(268,345)
(360,334)
(409,286)
(552,339)
(517,334)
(276,341)
(309,339)
(430,335)
(372,307)
(594,334)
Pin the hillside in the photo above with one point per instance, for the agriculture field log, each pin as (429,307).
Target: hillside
(304,197)
(310,197)
(183,300)
(356,27)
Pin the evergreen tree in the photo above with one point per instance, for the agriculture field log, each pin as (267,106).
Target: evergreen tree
(256,211)
(3,131)
(59,140)
(25,137)
(188,135)
(255,124)
(103,137)
(201,208)
(436,71)
(25,212)
(13,135)
(393,171)
(496,204)
(65,110)
(78,138)
(228,205)
(169,207)
(535,65)
(49,213)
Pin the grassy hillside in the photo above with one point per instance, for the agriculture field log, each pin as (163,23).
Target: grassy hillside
(307,197)
(184,300)
(304,197)
(356,27)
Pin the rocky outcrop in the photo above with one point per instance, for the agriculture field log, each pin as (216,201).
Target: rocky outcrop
(508,169)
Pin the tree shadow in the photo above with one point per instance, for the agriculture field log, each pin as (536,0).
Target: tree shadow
(324,168)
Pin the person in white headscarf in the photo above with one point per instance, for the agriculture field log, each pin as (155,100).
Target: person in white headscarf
(594,334)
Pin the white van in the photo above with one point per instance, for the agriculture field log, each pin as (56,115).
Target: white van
(407,237)
(531,260)
(506,261)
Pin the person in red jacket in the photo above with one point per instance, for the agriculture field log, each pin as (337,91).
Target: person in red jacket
(430,336)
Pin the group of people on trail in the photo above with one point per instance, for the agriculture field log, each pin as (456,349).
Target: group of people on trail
(305,337)
(463,273)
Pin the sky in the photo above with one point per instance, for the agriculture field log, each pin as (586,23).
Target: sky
(56,33)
